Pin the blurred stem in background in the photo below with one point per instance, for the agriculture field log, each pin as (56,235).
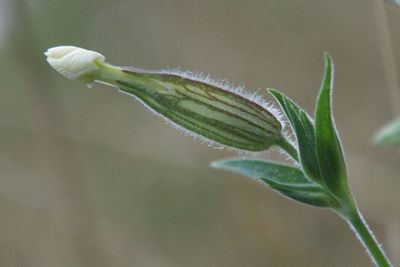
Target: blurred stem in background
(389,134)
(388,55)
(74,212)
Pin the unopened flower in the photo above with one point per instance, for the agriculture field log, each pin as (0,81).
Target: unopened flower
(75,63)
(201,106)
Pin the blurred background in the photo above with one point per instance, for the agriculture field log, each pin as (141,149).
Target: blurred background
(91,178)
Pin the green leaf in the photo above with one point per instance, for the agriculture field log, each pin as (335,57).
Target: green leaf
(255,168)
(311,194)
(388,135)
(303,127)
(285,179)
(328,147)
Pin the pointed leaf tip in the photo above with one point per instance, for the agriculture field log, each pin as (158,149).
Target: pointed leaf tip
(328,146)
(303,127)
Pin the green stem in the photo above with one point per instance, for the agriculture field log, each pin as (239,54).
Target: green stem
(108,73)
(367,238)
(288,148)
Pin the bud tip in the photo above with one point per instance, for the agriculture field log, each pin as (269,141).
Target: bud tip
(75,63)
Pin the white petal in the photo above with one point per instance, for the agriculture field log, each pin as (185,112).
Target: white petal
(73,62)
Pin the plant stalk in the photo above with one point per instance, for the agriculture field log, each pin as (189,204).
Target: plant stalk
(367,238)
(288,148)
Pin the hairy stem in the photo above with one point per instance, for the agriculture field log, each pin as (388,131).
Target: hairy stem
(367,238)
(288,148)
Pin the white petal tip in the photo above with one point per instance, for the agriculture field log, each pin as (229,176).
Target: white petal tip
(75,63)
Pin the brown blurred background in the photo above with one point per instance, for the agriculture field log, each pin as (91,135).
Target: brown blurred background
(91,178)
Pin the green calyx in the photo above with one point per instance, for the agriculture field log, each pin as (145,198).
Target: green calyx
(207,110)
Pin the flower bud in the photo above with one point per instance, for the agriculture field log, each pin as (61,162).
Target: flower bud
(74,63)
(201,106)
